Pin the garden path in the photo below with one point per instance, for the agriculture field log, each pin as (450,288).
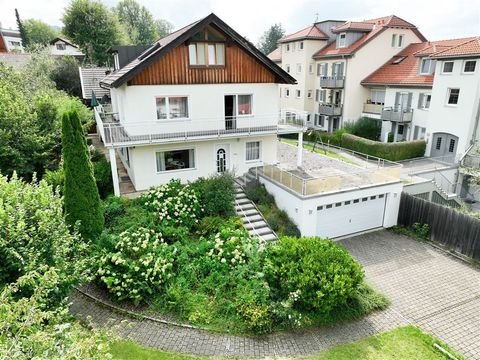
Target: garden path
(427,288)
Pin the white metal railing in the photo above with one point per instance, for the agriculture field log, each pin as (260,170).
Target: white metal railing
(116,133)
(398,115)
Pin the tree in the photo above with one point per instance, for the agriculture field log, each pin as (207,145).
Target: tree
(39,32)
(82,202)
(94,28)
(66,76)
(137,21)
(164,27)
(23,33)
(268,42)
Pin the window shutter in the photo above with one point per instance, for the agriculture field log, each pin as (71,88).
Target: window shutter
(340,69)
(325,70)
(420,100)
(409,101)
(397,101)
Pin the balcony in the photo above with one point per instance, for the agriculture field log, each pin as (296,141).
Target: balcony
(332,82)
(372,108)
(330,109)
(398,115)
(124,134)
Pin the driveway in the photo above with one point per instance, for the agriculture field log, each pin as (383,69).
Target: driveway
(432,290)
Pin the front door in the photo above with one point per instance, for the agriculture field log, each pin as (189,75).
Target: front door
(221,158)
(230,112)
(445,146)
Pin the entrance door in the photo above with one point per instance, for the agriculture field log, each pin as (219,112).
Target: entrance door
(444,145)
(222,161)
(230,112)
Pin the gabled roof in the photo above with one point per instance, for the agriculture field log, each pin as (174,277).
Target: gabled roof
(275,55)
(178,37)
(66,41)
(377,25)
(309,33)
(403,68)
(469,47)
(90,80)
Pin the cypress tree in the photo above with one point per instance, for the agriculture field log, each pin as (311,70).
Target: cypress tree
(21,28)
(81,198)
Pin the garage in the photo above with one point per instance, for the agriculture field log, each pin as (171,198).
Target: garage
(350,216)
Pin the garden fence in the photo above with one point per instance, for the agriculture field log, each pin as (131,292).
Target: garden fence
(448,227)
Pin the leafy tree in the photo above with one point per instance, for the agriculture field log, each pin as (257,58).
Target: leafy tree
(66,76)
(39,32)
(82,202)
(23,33)
(94,28)
(268,42)
(138,22)
(164,27)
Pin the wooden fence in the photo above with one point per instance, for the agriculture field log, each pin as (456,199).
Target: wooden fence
(448,227)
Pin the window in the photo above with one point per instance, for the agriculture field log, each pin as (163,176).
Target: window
(175,160)
(451,146)
(377,97)
(373,197)
(338,204)
(347,202)
(319,120)
(381,196)
(317,95)
(301,45)
(60,46)
(298,93)
(319,207)
(342,40)
(400,40)
(419,133)
(287,93)
(126,155)
(310,68)
(329,206)
(447,67)
(252,150)
(438,145)
(394,40)
(309,94)
(356,201)
(469,66)
(424,101)
(172,107)
(287,68)
(400,129)
(206,54)
(453,95)
(15,43)
(323,95)
(299,68)
(244,104)
(288,47)
(427,66)
(364,199)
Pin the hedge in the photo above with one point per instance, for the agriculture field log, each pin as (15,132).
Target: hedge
(389,151)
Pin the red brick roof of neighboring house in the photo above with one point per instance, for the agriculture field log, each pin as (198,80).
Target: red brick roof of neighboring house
(311,32)
(469,47)
(403,68)
(377,25)
(275,55)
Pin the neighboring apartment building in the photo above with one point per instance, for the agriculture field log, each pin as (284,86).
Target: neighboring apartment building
(199,101)
(429,91)
(337,56)
(63,47)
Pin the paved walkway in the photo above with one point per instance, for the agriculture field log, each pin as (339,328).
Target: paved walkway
(427,288)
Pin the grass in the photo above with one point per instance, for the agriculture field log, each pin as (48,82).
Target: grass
(405,343)
(320,151)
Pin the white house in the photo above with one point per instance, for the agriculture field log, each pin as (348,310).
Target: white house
(63,47)
(199,101)
(12,40)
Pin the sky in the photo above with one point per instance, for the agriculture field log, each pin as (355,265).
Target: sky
(436,19)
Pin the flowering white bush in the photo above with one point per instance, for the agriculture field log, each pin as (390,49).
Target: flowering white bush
(141,263)
(175,204)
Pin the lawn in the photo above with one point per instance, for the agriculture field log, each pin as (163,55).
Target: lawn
(331,154)
(406,343)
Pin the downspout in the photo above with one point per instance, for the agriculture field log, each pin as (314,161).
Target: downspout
(344,88)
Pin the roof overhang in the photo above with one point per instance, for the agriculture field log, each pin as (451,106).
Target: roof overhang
(397,85)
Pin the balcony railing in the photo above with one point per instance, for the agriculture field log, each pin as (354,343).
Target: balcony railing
(398,115)
(372,108)
(330,109)
(332,82)
(121,134)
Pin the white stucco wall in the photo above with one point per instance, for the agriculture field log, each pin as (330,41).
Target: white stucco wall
(69,50)
(459,119)
(303,211)
(143,159)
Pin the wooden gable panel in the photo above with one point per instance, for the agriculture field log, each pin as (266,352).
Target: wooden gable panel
(173,68)
(3,46)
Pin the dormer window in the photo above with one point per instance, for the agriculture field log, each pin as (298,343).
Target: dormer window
(427,66)
(60,46)
(207,48)
(342,40)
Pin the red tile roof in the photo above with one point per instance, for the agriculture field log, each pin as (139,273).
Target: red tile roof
(377,25)
(275,55)
(311,32)
(469,47)
(398,71)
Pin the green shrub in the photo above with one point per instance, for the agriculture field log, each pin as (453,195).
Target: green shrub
(389,151)
(139,265)
(174,204)
(213,224)
(421,230)
(103,177)
(257,192)
(322,274)
(56,178)
(367,128)
(216,194)
(114,207)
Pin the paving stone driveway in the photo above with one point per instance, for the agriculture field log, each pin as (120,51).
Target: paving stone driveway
(427,288)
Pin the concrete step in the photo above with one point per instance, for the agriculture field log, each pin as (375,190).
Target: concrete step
(256,224)
(242,201)
(244,207)
(269,237)
(260,231)
(250,212)
(239,196)
(252,218)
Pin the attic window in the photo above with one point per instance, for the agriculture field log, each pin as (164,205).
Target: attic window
(342,40)
(60,46)
(398,60)
(207,48)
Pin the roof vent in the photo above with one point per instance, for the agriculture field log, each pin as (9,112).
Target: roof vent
(398,60)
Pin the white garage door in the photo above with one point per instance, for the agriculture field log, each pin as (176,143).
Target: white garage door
(352,216)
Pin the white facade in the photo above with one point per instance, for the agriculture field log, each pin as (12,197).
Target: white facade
(13,40)
(63,48)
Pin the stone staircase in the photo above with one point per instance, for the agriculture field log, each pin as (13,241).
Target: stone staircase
(251,217)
